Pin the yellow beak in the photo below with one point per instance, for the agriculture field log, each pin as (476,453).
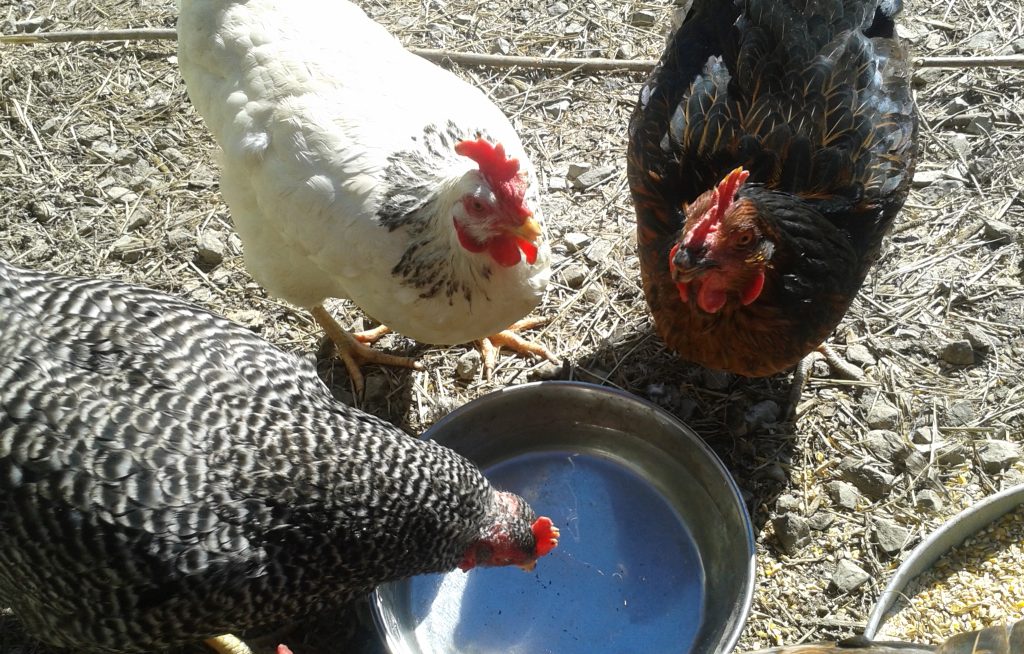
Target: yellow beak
(530,230)
(528,567)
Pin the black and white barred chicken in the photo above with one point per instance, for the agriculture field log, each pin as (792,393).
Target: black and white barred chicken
(356,169)
(167,476)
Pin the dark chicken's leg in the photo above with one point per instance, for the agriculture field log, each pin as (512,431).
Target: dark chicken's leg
(803,369)
(353,353)
(227,644)
(508,338)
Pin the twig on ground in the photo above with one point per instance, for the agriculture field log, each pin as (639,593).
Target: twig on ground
(473,58)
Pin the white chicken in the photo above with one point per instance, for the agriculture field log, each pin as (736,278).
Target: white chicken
(355,169)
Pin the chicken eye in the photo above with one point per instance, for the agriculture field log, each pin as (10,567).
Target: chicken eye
(745,239)
(476,207)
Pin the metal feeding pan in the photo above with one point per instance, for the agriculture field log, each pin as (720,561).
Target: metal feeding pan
(656,552)
(951,534)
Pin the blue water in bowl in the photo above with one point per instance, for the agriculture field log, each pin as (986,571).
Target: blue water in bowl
(626,576)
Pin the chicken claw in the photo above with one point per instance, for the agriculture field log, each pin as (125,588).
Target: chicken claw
(803,372)
(354,353)
(508,338)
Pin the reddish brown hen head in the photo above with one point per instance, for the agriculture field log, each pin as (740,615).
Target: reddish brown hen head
(496,218)
(722,252)
(514,537)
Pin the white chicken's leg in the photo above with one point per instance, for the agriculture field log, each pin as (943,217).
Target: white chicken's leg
(508,338)
(227,644)
(803,370)
(353,353)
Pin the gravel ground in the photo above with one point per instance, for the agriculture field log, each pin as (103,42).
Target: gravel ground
(105,170)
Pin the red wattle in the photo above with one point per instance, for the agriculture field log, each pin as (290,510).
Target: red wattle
(504,250)
(529,249)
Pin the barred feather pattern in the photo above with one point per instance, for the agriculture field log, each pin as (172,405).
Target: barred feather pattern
(166,475)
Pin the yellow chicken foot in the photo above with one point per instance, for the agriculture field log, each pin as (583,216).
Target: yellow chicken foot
(803,369)
(227,644)
(508,338)
(353,353)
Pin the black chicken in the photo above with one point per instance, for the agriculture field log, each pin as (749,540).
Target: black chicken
(167,476)
(769,154)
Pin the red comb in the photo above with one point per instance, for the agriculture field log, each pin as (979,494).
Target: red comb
(501,172)
(546,534)
(727,188)
(721,198)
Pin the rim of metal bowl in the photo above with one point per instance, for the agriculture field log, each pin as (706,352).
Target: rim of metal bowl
(951,534)
(744,600)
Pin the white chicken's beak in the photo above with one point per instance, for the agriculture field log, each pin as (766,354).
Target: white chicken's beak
(529,231)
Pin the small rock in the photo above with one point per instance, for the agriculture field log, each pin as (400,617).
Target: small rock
(595,295)
(979,126)
(121,194)
(624,51)
(139,217)
(996,456)
(761,414)
(882,414)
(821,521)
(179,238)
(958,353)
(787,503)
(575,241)
(556,109)
(957,105)
(984,42)
(929,500)
(375,388)
(124,156)
(979,340)
(211,249)
(557,184)
(867,476)
(594,176)
(999,233)
(575,275)
(924,178)
(468,365)
(885,445)
(860,355)
(843,495)
(574,29)
(922,435)
(41,211)
(961,413)
(598,252)
(549,370)
(88,133)
(954,456)
(890,536)
(557,9)
(643,18)
(463,19)
(503,45)
(576,169)
(129,248)
(793,532)
(849,576)
(915,463)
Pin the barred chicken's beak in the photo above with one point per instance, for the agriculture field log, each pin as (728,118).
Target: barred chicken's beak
(529,231)
(528,567)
